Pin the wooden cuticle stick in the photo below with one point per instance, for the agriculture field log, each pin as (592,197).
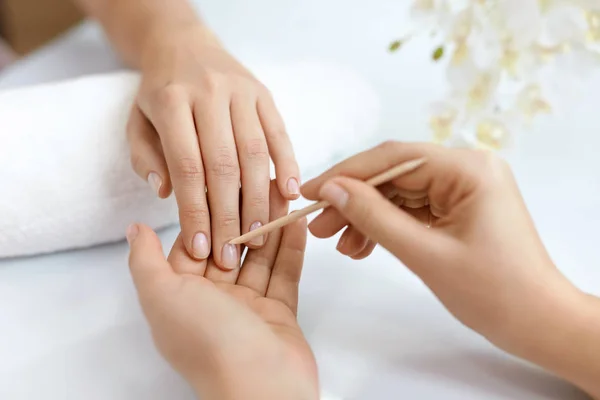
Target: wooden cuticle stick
(294,216)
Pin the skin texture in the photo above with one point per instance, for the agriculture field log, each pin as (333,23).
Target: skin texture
(202,121)
(482,256)
(201,126)
(231,334)
(485,263)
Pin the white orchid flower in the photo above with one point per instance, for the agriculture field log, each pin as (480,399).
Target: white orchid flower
(499,50)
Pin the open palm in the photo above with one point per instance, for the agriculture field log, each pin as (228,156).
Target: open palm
(207,321)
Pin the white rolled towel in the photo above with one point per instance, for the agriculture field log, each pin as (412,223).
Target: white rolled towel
(64,160)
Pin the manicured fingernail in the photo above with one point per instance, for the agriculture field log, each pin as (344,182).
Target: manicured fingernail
(131,233)
(341,243)
(259,241)
(293,186)
(229,256)
(415,203)
(200,246)
(334,194)
(155,182)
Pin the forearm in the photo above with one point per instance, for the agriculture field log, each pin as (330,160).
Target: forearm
(132,25)
(564,338)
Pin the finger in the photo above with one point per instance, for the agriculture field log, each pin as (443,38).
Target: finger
(423,215)
(147,262)
(375,161)
(182,263)
(213,121)
(327,224)
(447,176)
(415,203)
(366,252)
(330,222)
(258,264)
(253,156)
(285,277)
(217,274)
(352,242)
(147,158)
(410,195)
(280,148)
(172,117)
(380,220)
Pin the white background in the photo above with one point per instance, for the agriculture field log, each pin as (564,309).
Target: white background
(70,327)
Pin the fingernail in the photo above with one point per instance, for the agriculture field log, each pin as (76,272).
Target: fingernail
(341,243)
(293,186)
(131,233)
(259,241)
(415,203)
(229,256)
(200,246)
(334,194)
(155,182)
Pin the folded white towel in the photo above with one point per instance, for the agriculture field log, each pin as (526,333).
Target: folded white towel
(64,162)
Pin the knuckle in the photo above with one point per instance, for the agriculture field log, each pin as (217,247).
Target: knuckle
(263,91)
(195,213)
(226,166)
(168,96)
(189,169)
(262,259)
(257,200)
(213,82)
(244,83)
(228,218)
(256,149)
(296,249)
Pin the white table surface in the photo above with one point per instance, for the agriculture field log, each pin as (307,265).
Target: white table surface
(70,326)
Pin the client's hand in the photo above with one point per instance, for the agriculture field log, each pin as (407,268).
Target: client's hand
(478,250)
(202,120)
(233,334)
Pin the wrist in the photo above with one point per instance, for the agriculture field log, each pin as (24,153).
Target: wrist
(162,40)
(268,377)
(135,26)
(248,385)
(558,331)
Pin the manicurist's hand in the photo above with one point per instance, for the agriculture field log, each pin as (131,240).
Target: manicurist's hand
(202,124)
(459,223)
(231,334)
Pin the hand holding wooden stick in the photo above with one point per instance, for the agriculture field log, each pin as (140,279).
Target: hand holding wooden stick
(384,177)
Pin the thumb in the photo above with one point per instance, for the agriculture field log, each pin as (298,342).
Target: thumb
(381,221)
(147,261)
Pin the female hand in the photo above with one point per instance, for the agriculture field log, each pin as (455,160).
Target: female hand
(478,250)
(231,334)
(201,125)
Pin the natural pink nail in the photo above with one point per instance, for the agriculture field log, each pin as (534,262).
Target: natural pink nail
(200,246)
(341,243)
(155,182)
(293,186)
(259,241)
(131,233)
(229,257)
(334,194)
